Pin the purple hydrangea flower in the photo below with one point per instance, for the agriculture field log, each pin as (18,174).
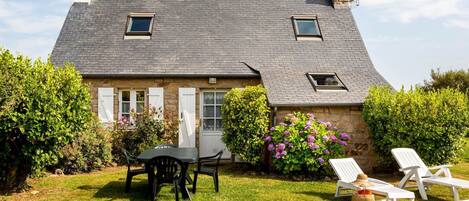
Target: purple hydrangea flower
(343,143)
(271,147)
(327,152)
(310,138)
(320,160)
(308,125)
(281,147)
(344,136)
(288,143)
(313,146)
(328,125)
(286,133)
(272,129)
(280,154)
(268,138)
(325,138)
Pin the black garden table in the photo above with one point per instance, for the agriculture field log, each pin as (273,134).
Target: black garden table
(186,155)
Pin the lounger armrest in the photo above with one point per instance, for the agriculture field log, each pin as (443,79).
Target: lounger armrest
(409,168)
(440,167)
(348,185)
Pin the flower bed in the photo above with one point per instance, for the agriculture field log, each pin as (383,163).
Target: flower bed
(301,143)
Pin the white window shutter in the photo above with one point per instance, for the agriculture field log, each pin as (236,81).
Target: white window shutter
(106,105)
(156,99)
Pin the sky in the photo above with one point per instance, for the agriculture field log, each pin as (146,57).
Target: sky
(406,39)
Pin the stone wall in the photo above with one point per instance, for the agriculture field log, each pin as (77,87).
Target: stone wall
(348,119)
(171,86)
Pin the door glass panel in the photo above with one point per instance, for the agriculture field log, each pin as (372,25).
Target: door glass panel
(208,124)
(125,95)
(208,111)
(219,97)
(209,98)
(140,96)
(219,125)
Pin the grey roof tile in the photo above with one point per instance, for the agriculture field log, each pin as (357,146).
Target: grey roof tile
(215,37)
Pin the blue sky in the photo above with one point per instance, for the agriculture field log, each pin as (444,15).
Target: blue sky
(405,38)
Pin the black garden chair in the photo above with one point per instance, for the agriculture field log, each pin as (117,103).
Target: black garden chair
(169,170)
(202,168)
(131,160)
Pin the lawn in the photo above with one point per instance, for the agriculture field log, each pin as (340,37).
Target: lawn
(235,184)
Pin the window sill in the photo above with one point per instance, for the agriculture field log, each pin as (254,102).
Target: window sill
(308,38)
(137,37)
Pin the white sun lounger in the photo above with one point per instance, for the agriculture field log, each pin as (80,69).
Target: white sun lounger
(347,170)
(415,169)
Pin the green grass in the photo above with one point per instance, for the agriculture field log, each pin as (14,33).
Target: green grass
(235,184)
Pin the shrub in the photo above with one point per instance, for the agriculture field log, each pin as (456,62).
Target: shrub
(303,144)
(147,131)
(455,79)
(41,108)
(433,123)
(89,150)
(245,121)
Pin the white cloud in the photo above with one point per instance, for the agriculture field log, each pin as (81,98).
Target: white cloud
(451,12)
(459,23)
(30,26)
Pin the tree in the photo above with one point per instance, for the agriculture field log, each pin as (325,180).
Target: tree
(41,108)
(245,121)
(456,79)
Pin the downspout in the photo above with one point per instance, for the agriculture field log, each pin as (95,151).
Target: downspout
(274,117)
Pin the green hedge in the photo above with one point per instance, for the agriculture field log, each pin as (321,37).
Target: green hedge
(89,150)
(41,108)
(245,121)
(433,123)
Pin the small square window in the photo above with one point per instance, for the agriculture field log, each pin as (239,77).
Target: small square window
(326,81)
(139,24)
(306,27)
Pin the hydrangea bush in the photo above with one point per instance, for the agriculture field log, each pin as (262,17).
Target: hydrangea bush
(304,144)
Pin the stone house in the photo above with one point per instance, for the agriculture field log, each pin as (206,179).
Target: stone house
(184,55)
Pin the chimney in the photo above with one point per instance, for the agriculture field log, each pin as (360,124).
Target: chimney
(343,3)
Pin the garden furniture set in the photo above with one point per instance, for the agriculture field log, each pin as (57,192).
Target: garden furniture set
(168,164)
(410,163)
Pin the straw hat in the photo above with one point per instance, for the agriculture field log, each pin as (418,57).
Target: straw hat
(362,181)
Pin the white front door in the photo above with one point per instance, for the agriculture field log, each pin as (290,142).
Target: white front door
(186,117)
(211,128)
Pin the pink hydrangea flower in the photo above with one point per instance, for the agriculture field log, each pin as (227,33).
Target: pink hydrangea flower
(286,133)
(281,146)
(333,138)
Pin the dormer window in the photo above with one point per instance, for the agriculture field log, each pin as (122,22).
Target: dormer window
(140,24)
(306,27)
(326,81)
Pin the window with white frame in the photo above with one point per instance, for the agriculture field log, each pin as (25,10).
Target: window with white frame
(211,111)
(131,101)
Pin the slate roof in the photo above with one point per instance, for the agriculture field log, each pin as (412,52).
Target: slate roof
(222,38)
